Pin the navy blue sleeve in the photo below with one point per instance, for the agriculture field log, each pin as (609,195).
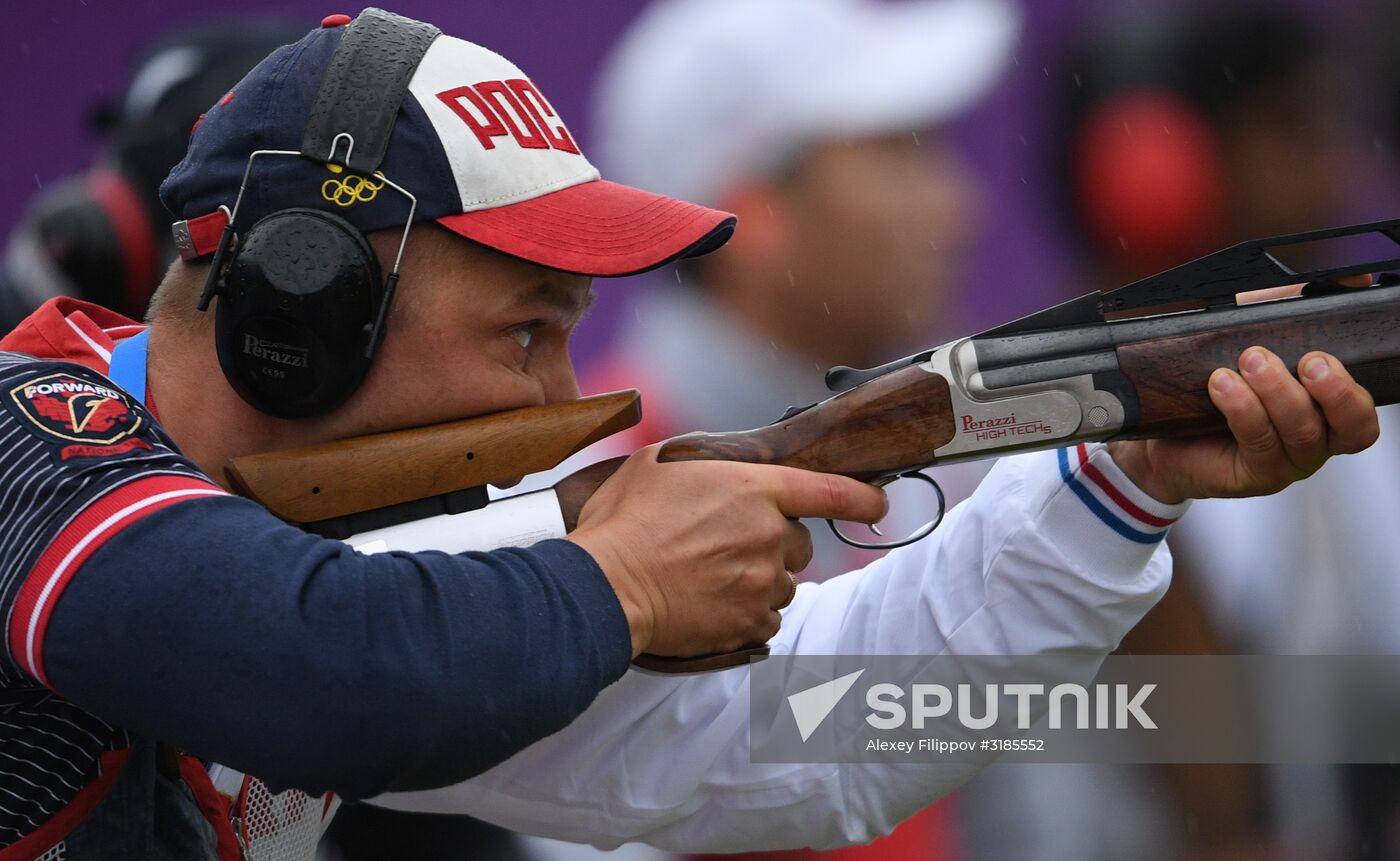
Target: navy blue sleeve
(212,625)
(80,459)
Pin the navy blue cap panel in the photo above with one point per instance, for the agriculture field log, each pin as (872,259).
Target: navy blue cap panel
(268,110)
(417,161)
(257,114)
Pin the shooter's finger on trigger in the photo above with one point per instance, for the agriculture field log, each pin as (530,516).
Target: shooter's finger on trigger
(802,493)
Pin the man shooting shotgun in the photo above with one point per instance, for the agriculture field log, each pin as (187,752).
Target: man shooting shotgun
(391,227)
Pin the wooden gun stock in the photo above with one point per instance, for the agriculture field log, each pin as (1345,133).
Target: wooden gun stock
(334,479)
(872,432)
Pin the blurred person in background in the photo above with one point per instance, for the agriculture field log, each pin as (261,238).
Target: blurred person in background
(821,122)
(102,235)
(1183,131)
(822,125)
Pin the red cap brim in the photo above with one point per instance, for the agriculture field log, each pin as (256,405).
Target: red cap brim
(597,228)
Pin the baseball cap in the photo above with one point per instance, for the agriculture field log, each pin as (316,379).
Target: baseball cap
(700,93)
(474,140)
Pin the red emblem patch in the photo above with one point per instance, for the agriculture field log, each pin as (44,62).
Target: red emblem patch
(67,408)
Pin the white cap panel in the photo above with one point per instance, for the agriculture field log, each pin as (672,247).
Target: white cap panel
(502,138)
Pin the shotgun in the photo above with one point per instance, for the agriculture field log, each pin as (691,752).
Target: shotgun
(1129,363)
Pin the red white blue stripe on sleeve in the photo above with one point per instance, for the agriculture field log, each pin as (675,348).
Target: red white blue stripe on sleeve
(1112,497)
(78,540)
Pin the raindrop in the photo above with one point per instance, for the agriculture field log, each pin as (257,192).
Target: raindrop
(1078,81)
(1123,243)
(826,308)
(1229,74)
(1046,70)
(792,281)
(37,182)
(916,139)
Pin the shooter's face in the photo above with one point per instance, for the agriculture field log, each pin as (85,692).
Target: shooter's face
(471,332)
(881,230)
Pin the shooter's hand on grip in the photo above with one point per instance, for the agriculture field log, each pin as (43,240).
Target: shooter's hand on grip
(699,552)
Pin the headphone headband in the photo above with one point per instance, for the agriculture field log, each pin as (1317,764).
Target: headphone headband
(363,87)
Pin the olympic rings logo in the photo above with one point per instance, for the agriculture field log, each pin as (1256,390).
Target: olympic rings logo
(352,189)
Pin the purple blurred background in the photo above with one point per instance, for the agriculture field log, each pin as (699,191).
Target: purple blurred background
(63,56)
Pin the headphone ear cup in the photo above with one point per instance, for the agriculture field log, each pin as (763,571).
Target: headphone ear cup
(1149,180)
(293,320)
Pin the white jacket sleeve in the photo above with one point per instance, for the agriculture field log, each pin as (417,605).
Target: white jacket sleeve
(1052,554)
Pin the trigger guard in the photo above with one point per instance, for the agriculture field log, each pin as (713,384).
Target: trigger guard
(918,534)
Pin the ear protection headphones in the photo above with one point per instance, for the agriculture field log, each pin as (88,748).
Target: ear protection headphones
(294,324)
(302,301)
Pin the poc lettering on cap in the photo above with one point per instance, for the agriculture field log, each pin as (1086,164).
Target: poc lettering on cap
(502,138)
